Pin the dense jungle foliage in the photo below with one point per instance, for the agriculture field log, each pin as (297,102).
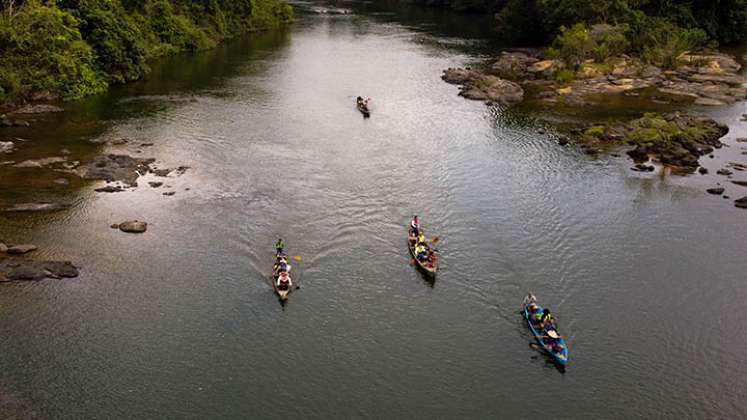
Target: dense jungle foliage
(74,48)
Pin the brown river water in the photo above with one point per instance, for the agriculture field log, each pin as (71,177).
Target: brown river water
(646,273)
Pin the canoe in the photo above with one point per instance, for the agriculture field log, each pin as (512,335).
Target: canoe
(429,267)
(364,110)
(561,358)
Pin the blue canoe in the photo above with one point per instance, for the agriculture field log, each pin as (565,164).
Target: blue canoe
(559,357)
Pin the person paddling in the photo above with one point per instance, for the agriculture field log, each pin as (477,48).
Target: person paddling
(415,225)
(279,245)
(284,281)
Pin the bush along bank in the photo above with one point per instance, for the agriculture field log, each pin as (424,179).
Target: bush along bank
(69,49)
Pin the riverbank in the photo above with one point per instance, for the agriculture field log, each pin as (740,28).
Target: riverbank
(54,52)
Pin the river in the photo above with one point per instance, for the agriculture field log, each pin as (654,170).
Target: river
(645,273)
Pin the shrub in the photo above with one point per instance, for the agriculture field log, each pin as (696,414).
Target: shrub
(565,76)
(572,45)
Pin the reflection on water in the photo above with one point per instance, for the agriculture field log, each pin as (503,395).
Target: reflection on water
(181,321)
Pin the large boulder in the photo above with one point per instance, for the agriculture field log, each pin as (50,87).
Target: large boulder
(133,226)
(512,65)
(494,89)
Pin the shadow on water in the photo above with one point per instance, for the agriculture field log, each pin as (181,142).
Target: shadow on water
(173,81)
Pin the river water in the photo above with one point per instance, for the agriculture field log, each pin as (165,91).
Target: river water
(645,273)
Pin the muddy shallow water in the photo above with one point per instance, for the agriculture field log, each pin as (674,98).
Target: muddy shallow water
(645,272)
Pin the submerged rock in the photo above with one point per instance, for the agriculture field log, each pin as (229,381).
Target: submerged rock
(741,203)
(36,207)
(133,226)
(122,168)
(38,109)
(21,249)
(110,189)
(17,270)
(40,163)
(715,191)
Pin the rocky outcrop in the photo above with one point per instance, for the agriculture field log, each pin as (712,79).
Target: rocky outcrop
(483,87)
(22,270)
(674,140)
(706,78)
(121,168)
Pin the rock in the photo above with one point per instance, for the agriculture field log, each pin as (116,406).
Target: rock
(563,140)
(169,193)
(110,189)
(512,65)
(38,109)
(21,249)
(17,270)
(541,131)
(40,163)
(133,226)
(715,191)
(724,172)
(3,247)
(6,147)
(155,184)
(64,152)
(146,144)
(742,140)
(547,67)
(122,168)
(729,79)
(459,76)
(27,273)
(483,87)
(5,122)
(741,203)
(35,207)
(61,181)
(709,102)
(710,62)
(643,168)
(702,170)
(114,226)
(740,183)
(161,172)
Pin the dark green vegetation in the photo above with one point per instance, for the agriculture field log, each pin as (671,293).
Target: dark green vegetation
(677,140)
(655,30)
(74,48)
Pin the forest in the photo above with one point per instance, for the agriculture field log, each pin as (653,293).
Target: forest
(69,49)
